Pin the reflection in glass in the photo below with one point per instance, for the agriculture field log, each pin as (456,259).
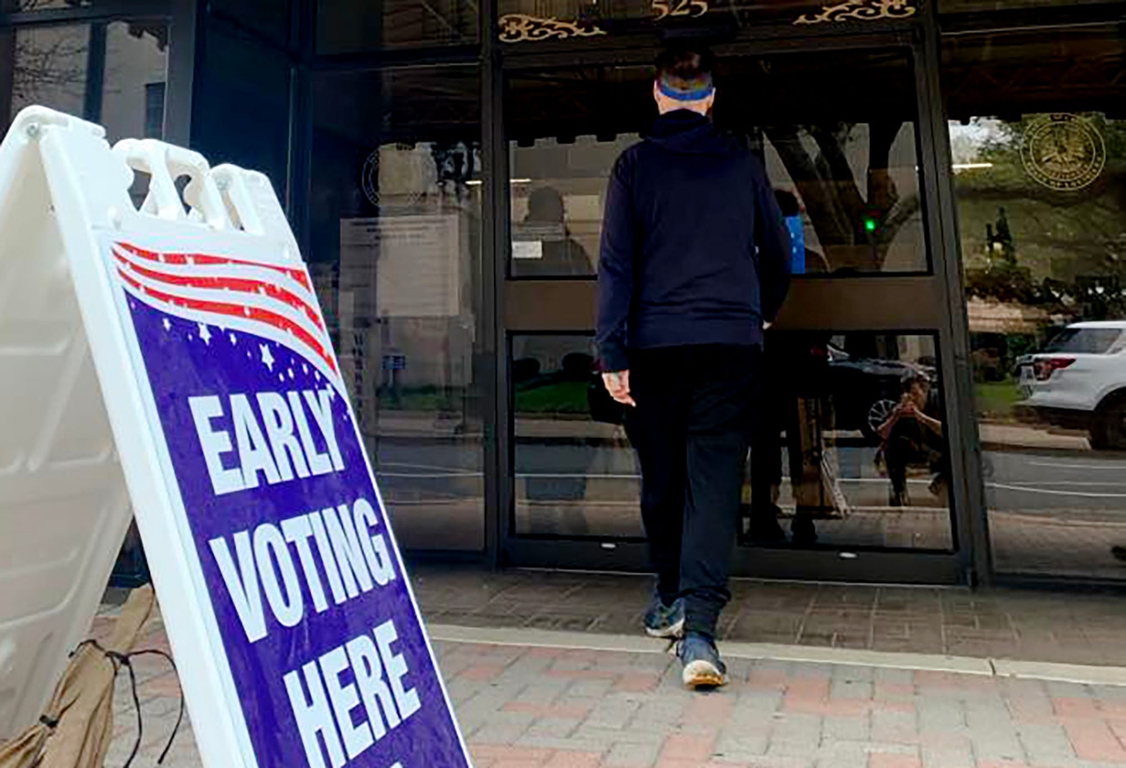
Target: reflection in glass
(43,65)
(351,26)
(240,107)
(575,476)
(542,242)
(836,130)
(850,449)
(846,158)
(858,189)
(558,195)
(47,66)
(1043,225)
(267,18)
(133,90)
(27,6)
(396,217)
(850,445)
(964,6)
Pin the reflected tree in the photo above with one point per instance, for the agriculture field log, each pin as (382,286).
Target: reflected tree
(48,65)
(52,61)
(1063,251)
(856,220)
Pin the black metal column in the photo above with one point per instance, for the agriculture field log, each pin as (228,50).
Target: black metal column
(299,172)
(498,440)
(967,484)
(95,72)
(181,72)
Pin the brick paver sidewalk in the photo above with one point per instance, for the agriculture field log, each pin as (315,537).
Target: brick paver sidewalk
(551,708)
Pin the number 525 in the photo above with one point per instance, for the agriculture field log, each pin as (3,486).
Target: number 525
(692,8)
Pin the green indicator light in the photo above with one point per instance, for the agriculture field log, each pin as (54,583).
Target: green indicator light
(870,225)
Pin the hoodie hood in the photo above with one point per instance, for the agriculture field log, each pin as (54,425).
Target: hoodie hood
(683,130)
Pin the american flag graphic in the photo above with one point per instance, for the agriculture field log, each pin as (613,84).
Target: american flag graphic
(273,301)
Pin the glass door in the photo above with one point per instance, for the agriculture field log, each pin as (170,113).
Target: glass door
(1038,135)
(841,484)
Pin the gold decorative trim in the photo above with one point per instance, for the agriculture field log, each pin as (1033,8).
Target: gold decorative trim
(863,10)
(517,27)
(693,9)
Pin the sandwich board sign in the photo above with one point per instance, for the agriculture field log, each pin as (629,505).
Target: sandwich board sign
(219,407)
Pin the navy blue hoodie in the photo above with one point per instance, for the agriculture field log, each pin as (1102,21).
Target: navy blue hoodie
(694,247)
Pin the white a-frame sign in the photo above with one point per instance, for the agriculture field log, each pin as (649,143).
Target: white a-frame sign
(170,358)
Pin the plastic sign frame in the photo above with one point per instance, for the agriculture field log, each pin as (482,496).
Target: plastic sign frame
(287,606)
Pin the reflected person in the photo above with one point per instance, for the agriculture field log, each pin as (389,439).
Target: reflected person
(776,412)
(555,252)
(787,374)
(912,437)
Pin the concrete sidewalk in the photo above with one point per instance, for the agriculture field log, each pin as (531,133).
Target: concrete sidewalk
(534,706)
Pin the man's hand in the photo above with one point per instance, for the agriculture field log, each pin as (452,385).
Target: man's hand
(617,384)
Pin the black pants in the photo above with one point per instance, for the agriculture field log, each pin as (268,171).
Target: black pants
(690,430)
(775,412)
(913,445)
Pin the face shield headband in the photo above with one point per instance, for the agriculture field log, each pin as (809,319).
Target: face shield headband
(700,89)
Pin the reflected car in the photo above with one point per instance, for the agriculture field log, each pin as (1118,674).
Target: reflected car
(1078,381)
(864,391)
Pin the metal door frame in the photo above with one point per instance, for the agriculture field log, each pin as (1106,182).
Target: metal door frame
(969,560)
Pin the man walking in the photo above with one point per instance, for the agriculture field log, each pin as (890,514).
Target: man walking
(694,261)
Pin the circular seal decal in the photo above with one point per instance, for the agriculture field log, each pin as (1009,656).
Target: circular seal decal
(1063,152)
(370,178)
(399,174)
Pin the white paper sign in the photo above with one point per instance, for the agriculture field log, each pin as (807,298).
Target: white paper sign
(417,261)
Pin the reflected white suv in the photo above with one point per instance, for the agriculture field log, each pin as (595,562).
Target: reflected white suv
(1079,381)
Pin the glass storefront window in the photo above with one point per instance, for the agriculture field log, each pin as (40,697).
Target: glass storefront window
(30,6)
(575,476)
(268,18)
(883,232)
(842,154)
(1038,138)
(241,105)
(395,254)
(558,192)
(964,6)
(135,75)
(43,65)
(48,66)
(560,161)
(851,444)
(352,26)
(843,160)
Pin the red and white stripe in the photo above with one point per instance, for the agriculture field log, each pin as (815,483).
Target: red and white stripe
(269,300)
